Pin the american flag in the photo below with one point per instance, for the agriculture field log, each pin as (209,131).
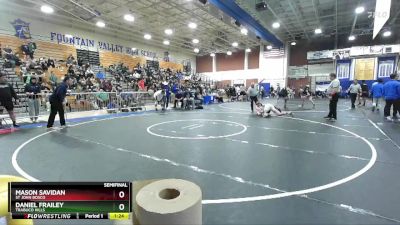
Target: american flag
(274,52)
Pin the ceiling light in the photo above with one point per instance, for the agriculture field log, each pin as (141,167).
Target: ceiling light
(235,44)
(352,38)
(69,36)
(212,54)
(195,41)
(248,50)
(293,43)
(269,47)
(359,9)
(244,31)
(166,42)
(129,18)
(387,33)
(147,36)
(318,31)
(196,50)
(47,9)
(168,31)
(192,25)
(229,53)
(276,25)
(100,24)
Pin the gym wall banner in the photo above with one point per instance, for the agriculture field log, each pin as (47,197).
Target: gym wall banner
(85,42)
(386,66)
(326,54)
(364,69)
(22,30)
(343,69)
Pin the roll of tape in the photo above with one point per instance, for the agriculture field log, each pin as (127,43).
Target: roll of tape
(170,201)
(4,179)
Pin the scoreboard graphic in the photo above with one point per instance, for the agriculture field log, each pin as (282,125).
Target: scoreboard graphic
(70,200)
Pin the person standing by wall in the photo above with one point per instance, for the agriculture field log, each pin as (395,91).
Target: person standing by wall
(364,93)
(354,90)
(57,102)
(7,93)
(32,91)
(252,92)
(377,94)
(333,92)
(391,92)
(166,87)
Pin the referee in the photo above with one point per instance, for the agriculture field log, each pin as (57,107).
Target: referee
(252,92)
(57,102)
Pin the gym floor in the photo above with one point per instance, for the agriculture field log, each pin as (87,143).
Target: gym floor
(252,170)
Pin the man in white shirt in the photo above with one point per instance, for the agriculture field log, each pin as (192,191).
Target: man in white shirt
(333,93)
(354,90)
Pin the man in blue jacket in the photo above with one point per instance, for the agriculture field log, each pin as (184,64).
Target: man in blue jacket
(57,102)
(391,91)
(377,94)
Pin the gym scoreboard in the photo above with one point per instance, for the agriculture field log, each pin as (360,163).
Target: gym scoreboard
(70,200)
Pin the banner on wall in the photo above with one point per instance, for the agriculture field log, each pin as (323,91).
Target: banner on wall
(21,29)
(341,53)
(112,47)
(386,66)
(296,71)
(364,69)
(275,52)
(345,53)
(343,69)
(326,54)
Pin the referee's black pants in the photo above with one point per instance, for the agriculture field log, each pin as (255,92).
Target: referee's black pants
(253,99)
(56,107)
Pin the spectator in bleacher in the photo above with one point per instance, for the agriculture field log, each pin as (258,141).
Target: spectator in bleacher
(32,91)
(377,94)
(43,64)
(57,102)
(53,80)
(7,93)
(50,63)
(107,86)
(11,59)
(71,71)
(391,92)
(7,52)
(70,60)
